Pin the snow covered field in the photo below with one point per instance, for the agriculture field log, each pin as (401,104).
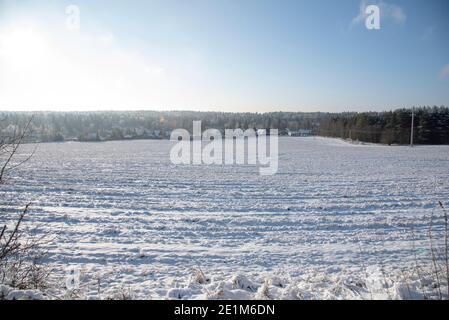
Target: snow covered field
(337,221)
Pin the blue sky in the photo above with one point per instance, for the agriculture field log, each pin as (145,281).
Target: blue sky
(227,55)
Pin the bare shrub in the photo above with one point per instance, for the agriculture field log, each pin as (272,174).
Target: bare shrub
(21,254)
(198,276)
(433,274)
(440,253)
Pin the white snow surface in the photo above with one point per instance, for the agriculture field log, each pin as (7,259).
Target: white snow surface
(338,221)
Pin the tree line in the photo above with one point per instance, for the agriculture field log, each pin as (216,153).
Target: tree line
(431,126)
(389,127)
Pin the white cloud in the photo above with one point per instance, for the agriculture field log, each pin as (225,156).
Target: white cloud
(388,11)
(360,18)
(444,73)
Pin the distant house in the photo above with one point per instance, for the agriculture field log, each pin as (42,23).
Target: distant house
(11,130)
(300,133)
(139,131)
(92,136)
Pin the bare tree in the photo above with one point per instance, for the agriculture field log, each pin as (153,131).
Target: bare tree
(20,253)
(9,146)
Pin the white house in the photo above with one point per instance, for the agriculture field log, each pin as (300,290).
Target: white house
(300,133)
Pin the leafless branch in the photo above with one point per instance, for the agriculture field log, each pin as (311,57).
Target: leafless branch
(13,145)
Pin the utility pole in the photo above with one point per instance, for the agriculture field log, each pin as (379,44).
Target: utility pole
(413,125)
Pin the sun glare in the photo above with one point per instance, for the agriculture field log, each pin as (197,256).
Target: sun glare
(23,47)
